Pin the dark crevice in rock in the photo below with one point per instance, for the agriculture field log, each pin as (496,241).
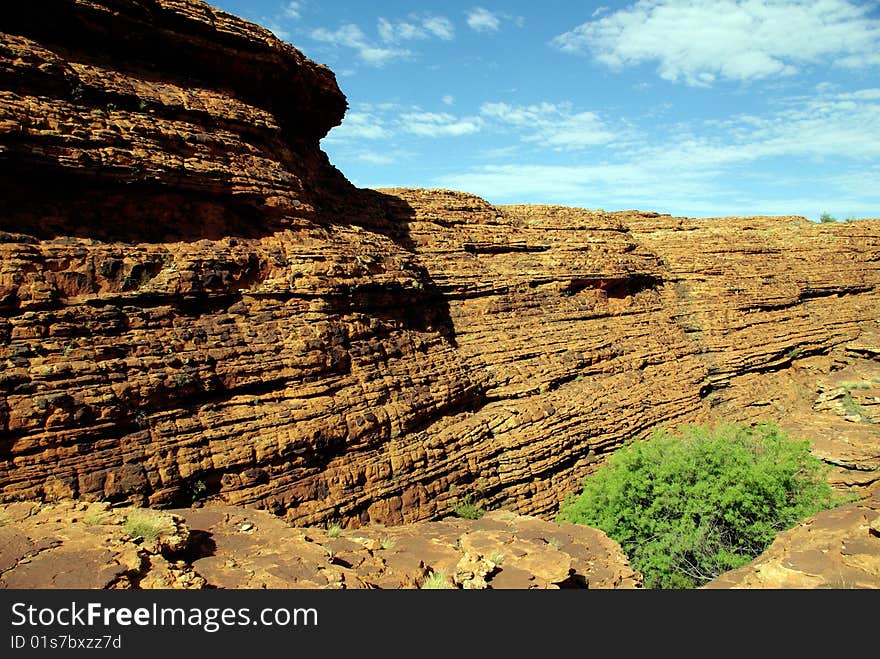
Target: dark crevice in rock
(502,248)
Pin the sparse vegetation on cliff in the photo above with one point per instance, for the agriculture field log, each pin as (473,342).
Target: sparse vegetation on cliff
(467,509)
(687,508)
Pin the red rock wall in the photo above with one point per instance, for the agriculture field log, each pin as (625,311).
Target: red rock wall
(194,304)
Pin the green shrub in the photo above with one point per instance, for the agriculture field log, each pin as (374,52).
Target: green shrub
(689,507)
(435,581)
(144,524)
(467,509)
(96,519)
(851,407)
(826,218)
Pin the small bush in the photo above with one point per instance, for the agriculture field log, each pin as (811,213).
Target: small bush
(198,490)
(144,524)
(334,530)
(467,509)
(690,507)
(851,407)
(183,379)
(825,218)
(858,386)
(96,519)
(387,543)
(435,581)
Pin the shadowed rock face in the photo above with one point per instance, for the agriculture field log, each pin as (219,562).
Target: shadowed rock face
(194,304)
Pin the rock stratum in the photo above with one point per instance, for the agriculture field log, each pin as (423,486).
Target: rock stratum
(196,306)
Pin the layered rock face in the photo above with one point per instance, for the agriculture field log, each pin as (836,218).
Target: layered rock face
(195,305)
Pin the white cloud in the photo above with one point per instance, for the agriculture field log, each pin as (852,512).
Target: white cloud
(351,36)
(551,125)
(701,41)
(440,27)
(287,12)
(292,9)
(374,158)
(422,28)
(380,51)
(442,124)
(386,121)
(359,126)
(448,99)
(481,19)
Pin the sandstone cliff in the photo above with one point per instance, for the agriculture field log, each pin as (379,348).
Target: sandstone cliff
(195,305)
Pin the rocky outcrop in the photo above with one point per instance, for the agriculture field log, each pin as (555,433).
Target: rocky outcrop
(195,305)
(837,549)
(48,546)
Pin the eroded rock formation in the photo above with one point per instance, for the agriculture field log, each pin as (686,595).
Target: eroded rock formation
(195,305)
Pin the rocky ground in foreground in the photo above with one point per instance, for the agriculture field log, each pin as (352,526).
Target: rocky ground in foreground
(837,548)
(80,545)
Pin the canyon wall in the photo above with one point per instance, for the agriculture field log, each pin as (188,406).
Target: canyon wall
(195,305)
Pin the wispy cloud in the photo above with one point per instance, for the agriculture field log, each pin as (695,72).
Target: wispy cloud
(381,158)
(439,124)
(416,28)
(551,125)
(390,34)
(351,36)
(388,121)
(481,19)
(292,9)
(280,21)
(701,41)
(357,126)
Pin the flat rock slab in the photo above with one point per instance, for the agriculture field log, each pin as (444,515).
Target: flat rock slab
(83,546)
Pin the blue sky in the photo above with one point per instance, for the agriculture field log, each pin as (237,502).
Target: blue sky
(689,107)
